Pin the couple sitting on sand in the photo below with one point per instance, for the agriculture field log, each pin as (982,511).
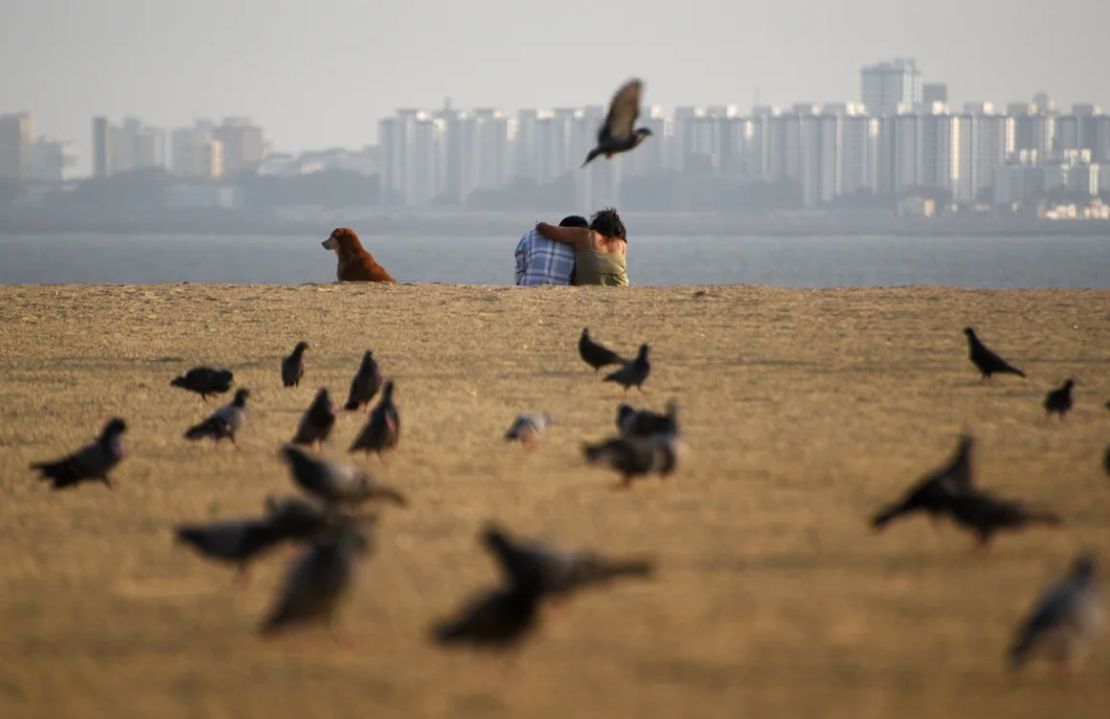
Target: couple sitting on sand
(588,253)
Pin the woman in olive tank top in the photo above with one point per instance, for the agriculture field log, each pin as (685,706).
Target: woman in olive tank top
(599,251)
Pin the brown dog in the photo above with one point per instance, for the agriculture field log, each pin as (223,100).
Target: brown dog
(355,263)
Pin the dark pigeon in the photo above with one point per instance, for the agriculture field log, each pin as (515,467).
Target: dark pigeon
(1059,400)
(594,354)
(224,422)
(237,541)
(365,384)
(382,429)
(292,367)
(1106,460)
(619,133)
(933,492)
(296,518)
(496,619)
(985,360)
(984,515)
(1064,622)
(633,373)
(204,381)
(317,421)
(335,483)
(634,422)
(635,457)
(92,462)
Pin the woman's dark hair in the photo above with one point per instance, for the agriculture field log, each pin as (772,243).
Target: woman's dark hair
(574,221)
(608,223)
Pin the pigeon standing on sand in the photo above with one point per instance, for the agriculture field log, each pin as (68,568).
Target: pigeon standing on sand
(292,367)
(382,429)
(335,483)
(204,381)
(365,384)
(633,373)
(984,515)
(619,132)
(634,422)
(933,492)
(1059,400)
(1064,622)
(594,354)
(317,581)
(635,457)
(985,360)
(232,540)
(224,422)
(92,462)
(317,421)
(529,428)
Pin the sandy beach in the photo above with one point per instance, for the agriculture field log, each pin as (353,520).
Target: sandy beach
(803,411)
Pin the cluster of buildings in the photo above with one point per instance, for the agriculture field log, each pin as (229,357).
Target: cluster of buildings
(23,156)
(205,150)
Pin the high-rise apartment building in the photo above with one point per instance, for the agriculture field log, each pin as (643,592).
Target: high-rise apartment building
(16,152)
(243,144)
(889,86)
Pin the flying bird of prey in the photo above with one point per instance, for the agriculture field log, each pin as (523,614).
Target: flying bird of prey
(983,515)
(292,367)
(619,132)
(635,457)
(529,428)
(317,421)
(92,462)
(633,373)
(1059,400)
(594,354)
(985,360)
(224,422)
(1064,622)
(634,422)
(933,493)
(365,384)
(204,381)
(382,429)
(335,483)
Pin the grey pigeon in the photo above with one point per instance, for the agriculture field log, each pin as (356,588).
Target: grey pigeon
(495,619)
(1059,400)
(365,384)
(635,457)
(933,492)
(292,367)
(594,354)
(619,132)
(204,381)
(634,422)
(335,483)
(1064,622)
(225,422)
(529,428)
(633,373)
(984,515)
(317,581)
(986,361)
(383,428)
(92,462)
(237,541)
(317,421)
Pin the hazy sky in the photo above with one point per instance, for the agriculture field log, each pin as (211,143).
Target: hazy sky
(320,73)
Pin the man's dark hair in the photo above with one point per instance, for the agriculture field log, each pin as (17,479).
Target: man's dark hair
(608,223)
(574,221)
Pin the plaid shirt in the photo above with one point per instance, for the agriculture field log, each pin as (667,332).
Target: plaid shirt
(540,261)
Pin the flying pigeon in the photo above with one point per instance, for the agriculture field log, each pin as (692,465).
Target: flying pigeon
(983,515)
(617,133)
(985,360)
(594,354)
(1065,620)
(634,422)
(292,367)
(296,518)
(1059,400)
(382,429)
(365,384)
(224,422)
(635,457)
(92,462)
(237,541)
(529,428)
(933,492)
(496,619)
(317,421)
(633,373)
(335,483)
(204,381)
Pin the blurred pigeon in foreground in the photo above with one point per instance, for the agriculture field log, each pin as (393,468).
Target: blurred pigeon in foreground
(335,483)
(933,492)
(529,428)
(382,429)
(633,373)
(496,619)
(635,456)
(594,354)
(232,540)
(1059,400)
(1106,460)
(1065,620)
(983,515)
(317,581)
(317,421)
(555,572)
(224,422)
(92,462)
(204,381)
(292,367)
(634,422)
(365,384)
(985,360)
(618,133)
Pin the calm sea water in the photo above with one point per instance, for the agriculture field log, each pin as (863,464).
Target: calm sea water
(986,262)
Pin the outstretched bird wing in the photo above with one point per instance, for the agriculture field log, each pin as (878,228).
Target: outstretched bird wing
(623,111)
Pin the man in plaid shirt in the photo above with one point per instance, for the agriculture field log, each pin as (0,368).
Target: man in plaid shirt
(540,261)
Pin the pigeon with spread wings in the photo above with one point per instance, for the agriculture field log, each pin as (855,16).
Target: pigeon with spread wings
(617,133)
